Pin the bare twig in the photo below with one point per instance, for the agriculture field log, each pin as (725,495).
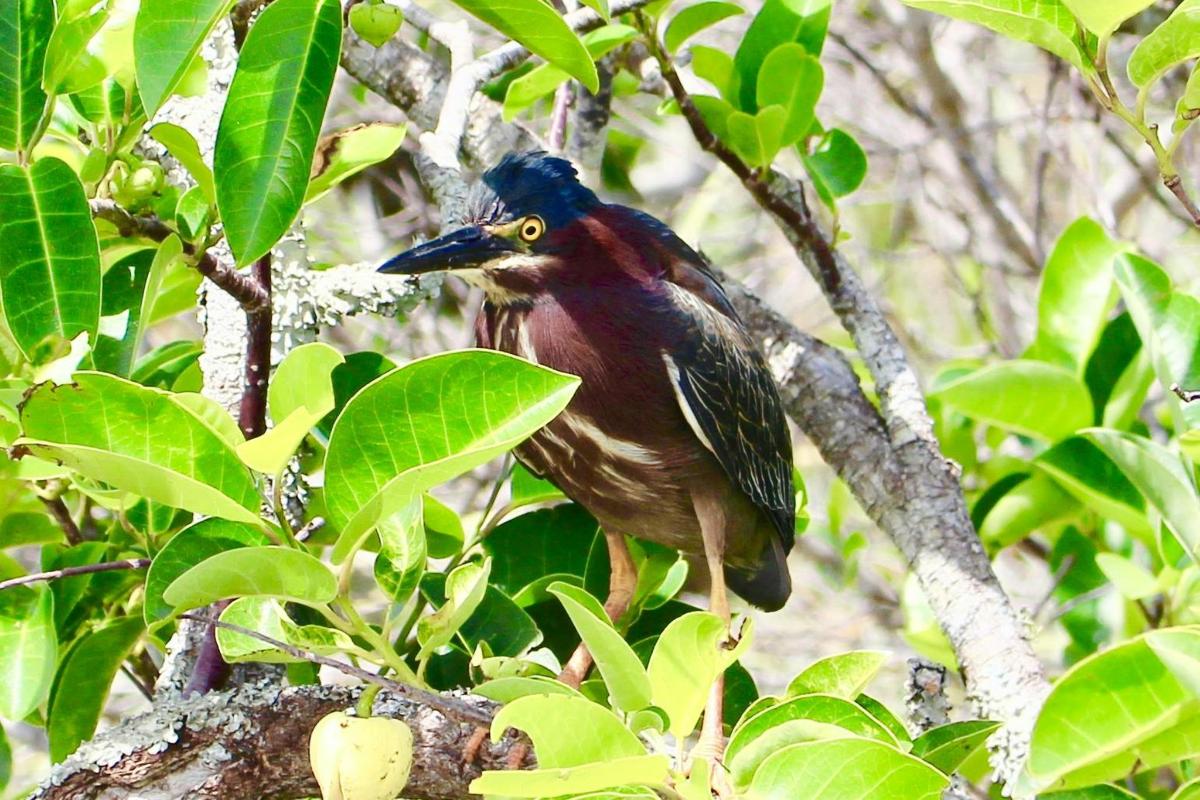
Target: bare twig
(449,706)
(62,515)
(556,139)
(252,414)
(66,572)
(1186,395)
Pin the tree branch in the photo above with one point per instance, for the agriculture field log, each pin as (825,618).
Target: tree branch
(66,572)
(252,741)
(62,515)
(252,413)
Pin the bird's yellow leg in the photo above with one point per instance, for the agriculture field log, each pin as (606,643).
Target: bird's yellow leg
(622,582)
(710,512)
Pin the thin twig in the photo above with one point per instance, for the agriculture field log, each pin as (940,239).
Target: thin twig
(252,414)
(556,138)
(1186,395)
(446,705)
(62,515)
(66,572)
(238,285)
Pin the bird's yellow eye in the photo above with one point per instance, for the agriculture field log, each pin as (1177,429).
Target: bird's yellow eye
(531,228)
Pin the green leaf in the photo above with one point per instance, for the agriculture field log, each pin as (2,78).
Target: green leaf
(1188,791)
(791,78)
(600,7)
(573,781)
(837,166)
(443,528)
(140,440)
(28,649)
(750,757)
(626,679)
(1088,474)
(1076,294)
(948,746)
(545,78)
(1135,713)
(268,617)
(166,39)
(1179,650)
(465,588)
(687,659)
(820,709)
(1174,41)
(269,571)
(1162,478)
(506,690)
(553,723)
(1035,503)
(778,22)
(1105,791)
(182,146)
(845,769)
(1187,108)
(300,395)
(49,255)
(1048,24)
(757,139)
(271,120)
(428,421)
(25,26)
(360,369)
(542,30)
(5,760)
(527,489)
(714,66)
(692,19)
(348,152)
(83,682)
(544,542)
(1168,322)
(1028,397)
(186,549)
(1133,581)
(69,66)
(842,675)
(402,553)
(1103,16)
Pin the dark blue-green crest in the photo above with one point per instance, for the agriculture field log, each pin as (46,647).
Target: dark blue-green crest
(530,183)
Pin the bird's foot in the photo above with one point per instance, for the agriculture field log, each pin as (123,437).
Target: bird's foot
(705,768)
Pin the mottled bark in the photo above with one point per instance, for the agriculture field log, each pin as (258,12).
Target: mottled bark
(252,742)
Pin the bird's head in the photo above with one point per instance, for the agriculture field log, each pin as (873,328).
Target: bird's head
(520,217)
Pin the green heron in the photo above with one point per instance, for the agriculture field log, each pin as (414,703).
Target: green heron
(677,432)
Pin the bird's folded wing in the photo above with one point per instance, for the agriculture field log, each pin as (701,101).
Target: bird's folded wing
(729,398)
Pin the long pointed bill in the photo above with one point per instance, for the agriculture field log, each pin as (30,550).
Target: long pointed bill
(464,248)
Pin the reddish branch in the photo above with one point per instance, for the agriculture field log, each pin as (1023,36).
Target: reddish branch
(62,515)
(252,415)
(66,572)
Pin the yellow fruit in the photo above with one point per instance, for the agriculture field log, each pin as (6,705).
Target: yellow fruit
(360,759)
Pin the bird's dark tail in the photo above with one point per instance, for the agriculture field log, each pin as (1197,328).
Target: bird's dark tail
(768,585)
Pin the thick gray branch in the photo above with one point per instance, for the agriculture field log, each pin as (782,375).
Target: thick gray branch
(252,741)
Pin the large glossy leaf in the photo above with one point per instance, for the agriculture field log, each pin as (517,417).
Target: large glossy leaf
(1110,712)
(554,722)
(1176,40)
(688,657)
(49,255)
(70,67)
(269,127)
(624,675)
(948,746)
(185,550)
(82,685)
(544,542)
(843,675)
(1168,322)
(778,22)
(166,38)
(1103,16)
(1076,294)
(426,422)
(694,18)
(1080,467)
(140,440)
(25,26)
(541,29)
(845,769)
(28,649)
(1028,397)
(1162,478)
(1048,24)
(250,571)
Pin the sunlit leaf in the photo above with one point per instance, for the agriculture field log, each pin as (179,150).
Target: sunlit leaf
(623,673)
(694,18)
(1028,397)
(686,661)
(574,781)
(948,746)
(343,154)
(166,39)
(25,26)
(845,769)
(1103,16)
(553,723)
(267,616)
(28,649)
(842,675)
(777,22)
(1176,40)
(269,571)
(182,146)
